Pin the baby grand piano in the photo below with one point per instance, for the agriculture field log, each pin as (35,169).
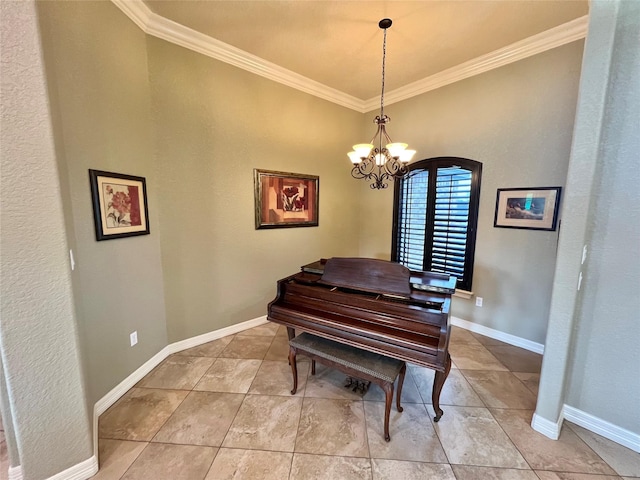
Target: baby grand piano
(374,305)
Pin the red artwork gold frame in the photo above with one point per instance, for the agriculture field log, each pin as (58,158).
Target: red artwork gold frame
(285,199)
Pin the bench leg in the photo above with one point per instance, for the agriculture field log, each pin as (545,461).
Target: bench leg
(400,383)
(313,367)
(388,391)
(291,333)
(437,388)
(294,369)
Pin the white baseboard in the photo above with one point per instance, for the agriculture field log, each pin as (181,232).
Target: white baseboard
(216,334)
(80,471)
(498,335)
(602,427)
(15,473)
(123,387)
(547,427)
(597,425)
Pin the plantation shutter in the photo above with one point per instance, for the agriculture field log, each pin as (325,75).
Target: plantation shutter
(451,221)
(435,217)
(413,220)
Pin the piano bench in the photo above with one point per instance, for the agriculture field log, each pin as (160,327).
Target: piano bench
(353,361)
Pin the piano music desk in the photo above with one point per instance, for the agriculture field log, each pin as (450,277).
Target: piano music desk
(358,363)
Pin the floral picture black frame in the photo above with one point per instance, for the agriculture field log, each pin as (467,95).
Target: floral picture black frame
(119,205)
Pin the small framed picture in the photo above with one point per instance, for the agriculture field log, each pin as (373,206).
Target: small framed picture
(119,205)
(533,208)
(285,199)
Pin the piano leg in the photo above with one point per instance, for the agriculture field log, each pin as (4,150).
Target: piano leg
(388,391)
(294,369)
(290,333)
(437,388)
(400,383)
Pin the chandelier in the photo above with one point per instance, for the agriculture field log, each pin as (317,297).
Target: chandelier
(373,161)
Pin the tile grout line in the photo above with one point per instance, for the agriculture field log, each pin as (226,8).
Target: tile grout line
(366,434)
(509,437)
(435,430)
(507,408)
(295,440)
(489,410)
(595,453)
(245,395)
(192,390)
(176,409)
(173,413)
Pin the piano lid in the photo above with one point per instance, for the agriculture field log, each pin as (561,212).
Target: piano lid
(425,281)
(368,275)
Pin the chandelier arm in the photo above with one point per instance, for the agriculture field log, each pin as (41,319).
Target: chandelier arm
(356,173)
(386,135)
(380,127)
(363,169)
(393,168)
(378,180)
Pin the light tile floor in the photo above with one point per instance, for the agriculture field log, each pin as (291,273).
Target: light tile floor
(224,411)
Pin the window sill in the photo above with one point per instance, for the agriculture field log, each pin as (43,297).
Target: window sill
(463,294)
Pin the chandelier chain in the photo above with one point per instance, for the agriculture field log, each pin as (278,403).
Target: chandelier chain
(384,57)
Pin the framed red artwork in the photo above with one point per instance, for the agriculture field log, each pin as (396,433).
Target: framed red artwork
(285,199)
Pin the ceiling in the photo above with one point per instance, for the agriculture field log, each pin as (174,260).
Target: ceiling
(339,43)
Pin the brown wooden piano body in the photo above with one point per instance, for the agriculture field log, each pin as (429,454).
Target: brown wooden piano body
(374,305)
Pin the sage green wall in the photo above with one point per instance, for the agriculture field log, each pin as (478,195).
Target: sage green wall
(607,331)
(517,120)
(98,83)
(203,115)
(38,336)
(214,124)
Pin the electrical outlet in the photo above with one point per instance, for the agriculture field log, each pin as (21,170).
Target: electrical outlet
(134,338)
(478,301)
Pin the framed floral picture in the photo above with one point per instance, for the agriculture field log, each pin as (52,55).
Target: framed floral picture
(119,205)
(532,208)
(285,199)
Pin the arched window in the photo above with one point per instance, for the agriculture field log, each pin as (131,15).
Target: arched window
(435,217)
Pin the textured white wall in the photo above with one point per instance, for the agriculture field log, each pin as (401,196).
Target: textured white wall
(608,314)
(38,338)
(591,356)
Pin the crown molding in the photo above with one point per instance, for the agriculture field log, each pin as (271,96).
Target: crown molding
(547,40)
(160,27)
